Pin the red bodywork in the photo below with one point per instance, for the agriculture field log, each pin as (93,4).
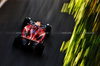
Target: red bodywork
(34,32)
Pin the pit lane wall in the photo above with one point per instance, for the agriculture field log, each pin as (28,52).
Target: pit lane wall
(2,2)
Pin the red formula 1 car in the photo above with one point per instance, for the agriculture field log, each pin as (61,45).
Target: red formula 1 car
(33,35)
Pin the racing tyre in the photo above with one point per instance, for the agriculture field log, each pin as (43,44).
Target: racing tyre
(48,29)
(26,21)
(17,41)
(39,49)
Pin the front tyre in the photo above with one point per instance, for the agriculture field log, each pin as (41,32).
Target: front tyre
(48,29)
(26,21)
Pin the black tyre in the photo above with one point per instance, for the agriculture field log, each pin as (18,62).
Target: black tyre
(48,29)
(27,20)
(17,41)
(39,49)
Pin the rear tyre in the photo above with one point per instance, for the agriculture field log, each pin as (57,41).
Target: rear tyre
(17,41)
(39,49)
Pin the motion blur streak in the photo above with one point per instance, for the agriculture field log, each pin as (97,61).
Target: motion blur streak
(83,48)
(12,15)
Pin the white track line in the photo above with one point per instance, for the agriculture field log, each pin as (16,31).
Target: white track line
(2,3)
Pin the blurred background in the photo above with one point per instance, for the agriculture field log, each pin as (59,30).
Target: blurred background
(12,15)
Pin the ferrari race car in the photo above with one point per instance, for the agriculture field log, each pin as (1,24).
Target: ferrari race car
(33,35)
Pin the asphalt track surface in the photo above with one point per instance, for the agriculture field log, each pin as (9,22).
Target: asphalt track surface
(12,15)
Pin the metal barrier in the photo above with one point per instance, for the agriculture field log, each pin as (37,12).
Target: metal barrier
(2,2)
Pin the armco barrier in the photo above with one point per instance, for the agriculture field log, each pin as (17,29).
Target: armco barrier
(2,2)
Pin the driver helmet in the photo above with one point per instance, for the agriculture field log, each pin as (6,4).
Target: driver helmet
(38,23)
